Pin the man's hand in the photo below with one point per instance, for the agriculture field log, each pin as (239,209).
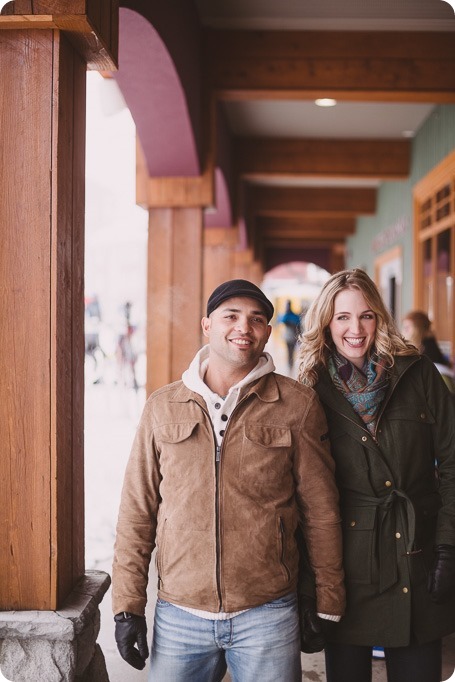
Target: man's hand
(441,580)
(313,629)
(129,630)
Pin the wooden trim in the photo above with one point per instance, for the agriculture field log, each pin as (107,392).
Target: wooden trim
(384,258)
(436,177)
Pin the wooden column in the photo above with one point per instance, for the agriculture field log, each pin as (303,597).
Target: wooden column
(218,263)
(42,167)
(245,267)
(174,308)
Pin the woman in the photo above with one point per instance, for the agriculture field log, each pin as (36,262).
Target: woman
(389,420)
(416,328)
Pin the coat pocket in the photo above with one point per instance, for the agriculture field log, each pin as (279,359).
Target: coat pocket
(358,543)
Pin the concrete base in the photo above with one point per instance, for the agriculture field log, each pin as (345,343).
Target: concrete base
(57,646)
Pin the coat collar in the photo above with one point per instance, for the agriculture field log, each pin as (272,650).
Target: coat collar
(332,397)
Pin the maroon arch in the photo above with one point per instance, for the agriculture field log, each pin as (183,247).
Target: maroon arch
(159,78)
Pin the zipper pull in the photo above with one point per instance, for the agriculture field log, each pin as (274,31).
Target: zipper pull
(218,453)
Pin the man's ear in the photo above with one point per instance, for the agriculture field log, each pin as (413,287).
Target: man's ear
(269,331)
(205,324)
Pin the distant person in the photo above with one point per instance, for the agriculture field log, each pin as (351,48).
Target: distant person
(126,352)
(226,465)
(416,327)
(291,330)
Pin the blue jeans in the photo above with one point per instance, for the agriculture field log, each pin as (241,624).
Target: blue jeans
(260,644)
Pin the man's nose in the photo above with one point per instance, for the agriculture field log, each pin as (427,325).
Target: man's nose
(243,325)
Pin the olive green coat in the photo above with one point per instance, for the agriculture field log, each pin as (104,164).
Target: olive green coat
(394,506)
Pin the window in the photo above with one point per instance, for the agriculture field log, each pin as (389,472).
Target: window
(434,235)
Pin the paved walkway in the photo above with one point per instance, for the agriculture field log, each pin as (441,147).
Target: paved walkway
(112,414)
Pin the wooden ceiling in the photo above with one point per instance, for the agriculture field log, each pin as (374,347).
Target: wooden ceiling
(362,66)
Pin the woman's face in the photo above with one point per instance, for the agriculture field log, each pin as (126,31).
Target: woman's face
(353,326)
(408,329)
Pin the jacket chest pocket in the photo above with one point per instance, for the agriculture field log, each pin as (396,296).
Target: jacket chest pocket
(179,447)
(350,458)
(265,454)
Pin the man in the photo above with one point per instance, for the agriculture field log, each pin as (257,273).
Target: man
(225,465)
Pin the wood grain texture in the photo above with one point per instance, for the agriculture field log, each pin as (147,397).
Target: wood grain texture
(387,66)
(41,308)
(381,159)
(174,293)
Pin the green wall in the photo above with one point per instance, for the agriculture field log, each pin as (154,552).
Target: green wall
(393,223)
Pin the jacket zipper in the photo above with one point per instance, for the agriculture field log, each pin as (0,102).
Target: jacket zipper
(218,452)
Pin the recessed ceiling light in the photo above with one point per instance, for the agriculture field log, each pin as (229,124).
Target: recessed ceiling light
(325,102)
(408,133)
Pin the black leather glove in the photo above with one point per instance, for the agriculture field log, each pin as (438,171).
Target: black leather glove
(130,630)
(441,580)
(313,630)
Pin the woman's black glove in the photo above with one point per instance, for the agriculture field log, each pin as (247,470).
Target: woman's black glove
(441,580)
(129,630)
(313,629)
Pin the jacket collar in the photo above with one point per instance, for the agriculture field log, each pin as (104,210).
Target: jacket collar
(266,389)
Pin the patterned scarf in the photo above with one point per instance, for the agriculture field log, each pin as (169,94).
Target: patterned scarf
(365,389)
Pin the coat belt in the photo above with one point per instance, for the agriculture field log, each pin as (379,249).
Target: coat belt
(386,518)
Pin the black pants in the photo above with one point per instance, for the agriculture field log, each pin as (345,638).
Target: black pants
(413,663)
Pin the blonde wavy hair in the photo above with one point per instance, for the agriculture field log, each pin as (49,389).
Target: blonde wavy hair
(315,342)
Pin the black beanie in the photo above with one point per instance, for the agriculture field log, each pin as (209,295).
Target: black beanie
(235,288)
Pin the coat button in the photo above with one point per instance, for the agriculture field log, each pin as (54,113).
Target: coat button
(405,590)
(398,536)
(217,406)
(224,417)
(364,438)
(352,524)
(388,484)
(422,415)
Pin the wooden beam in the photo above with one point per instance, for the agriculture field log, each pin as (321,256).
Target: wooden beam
(303,225)
(301,243)
(357,65)
(90,25)
(381,159)
(311,201)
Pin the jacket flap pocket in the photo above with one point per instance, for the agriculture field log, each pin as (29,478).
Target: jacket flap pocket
(359,518)
(175,433)
(415,413)
(268,436)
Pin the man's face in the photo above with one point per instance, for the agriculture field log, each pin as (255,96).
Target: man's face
(237,332)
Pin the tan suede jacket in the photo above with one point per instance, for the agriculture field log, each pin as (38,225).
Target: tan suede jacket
(223,522)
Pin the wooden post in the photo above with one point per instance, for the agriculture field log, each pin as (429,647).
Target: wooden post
(42,167)
(219,246)
(174,292)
